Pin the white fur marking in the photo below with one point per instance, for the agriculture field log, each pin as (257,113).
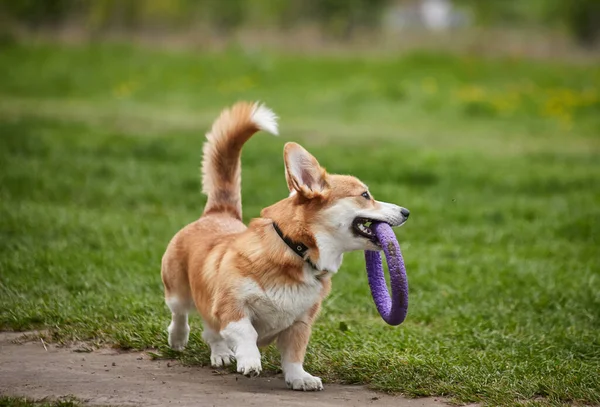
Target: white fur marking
(298,379)
(241,337)
(331,253)
(265,119)
(335,236)
(279,306)
(220,354)
(179,329)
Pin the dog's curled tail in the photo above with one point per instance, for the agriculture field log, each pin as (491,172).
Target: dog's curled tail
(221,164)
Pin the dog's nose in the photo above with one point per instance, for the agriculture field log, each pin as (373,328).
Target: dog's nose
(405,212)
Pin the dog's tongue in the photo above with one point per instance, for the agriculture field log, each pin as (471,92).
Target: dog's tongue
(393,310)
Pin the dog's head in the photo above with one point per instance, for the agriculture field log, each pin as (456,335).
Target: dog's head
(333,211)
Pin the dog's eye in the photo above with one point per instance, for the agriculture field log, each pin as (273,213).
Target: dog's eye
(366,195)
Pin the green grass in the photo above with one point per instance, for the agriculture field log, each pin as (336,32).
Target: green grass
(6,401)
(498,161)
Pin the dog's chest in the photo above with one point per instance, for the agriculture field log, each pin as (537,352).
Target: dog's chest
(277,308)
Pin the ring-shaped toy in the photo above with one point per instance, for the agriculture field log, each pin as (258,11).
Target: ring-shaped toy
(392,309)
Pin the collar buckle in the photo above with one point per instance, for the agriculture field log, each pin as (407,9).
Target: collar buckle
(300,249)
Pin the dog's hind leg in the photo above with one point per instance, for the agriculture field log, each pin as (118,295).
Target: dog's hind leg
(179,329)
(178,296)
(220,353)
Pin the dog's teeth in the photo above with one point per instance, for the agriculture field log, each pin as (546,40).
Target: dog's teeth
(364,229)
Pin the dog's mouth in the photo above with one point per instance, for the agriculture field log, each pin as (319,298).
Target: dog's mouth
(363,227)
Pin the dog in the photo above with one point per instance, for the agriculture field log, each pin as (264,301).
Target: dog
(265,282)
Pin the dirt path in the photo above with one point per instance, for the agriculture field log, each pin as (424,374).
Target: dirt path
(108,377)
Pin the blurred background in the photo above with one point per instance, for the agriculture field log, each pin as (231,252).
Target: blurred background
(534,27)
(480,116)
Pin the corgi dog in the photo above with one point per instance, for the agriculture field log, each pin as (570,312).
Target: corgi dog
(262,283)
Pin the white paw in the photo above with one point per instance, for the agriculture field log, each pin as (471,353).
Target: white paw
(249,366)
(223,358)
(220,354)
(306,382)
(177,343)
(178,337)
(298,379)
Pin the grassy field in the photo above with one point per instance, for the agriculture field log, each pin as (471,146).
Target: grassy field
(24,402)
(498,161)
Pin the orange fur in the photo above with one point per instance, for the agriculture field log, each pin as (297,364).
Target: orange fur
(233,273)
(221,159)
(208,258)
(292,342)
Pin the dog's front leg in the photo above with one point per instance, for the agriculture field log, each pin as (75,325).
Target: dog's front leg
(292,345)
(241,337)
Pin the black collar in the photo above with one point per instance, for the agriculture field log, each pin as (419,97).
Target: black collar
(298,247)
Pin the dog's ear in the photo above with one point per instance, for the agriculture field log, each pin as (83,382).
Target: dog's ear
(303,173)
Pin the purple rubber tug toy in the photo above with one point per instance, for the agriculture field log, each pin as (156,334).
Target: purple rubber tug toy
(393,310)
